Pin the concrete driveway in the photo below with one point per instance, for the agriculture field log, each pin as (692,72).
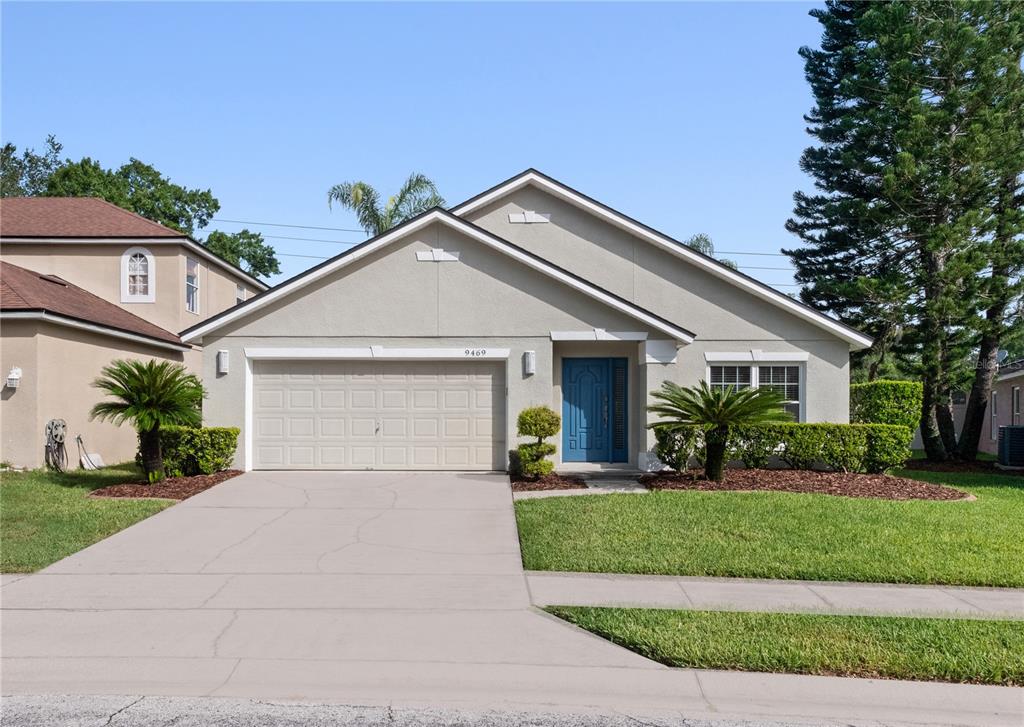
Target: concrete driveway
(370,589)
(280,584)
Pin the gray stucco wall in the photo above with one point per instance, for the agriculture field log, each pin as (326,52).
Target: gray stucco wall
(488,300)
(724,317)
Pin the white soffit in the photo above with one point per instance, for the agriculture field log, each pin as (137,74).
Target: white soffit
(463,227)
(754,355)
(1010,375)
(856,339)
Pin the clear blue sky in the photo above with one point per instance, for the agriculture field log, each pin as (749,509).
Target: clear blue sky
(686,116)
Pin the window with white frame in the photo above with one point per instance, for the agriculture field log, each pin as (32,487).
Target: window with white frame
(738,377)
(191,285)
(138,276)
(786,380)
(1015,404)
(993,429)
(239,294)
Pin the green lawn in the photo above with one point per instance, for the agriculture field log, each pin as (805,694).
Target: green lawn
(949,650)
(45,516)
(782,535)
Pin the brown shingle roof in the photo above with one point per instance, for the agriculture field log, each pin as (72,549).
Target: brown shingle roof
(27,290)
(74,217)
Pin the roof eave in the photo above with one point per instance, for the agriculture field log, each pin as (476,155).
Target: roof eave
(41,314)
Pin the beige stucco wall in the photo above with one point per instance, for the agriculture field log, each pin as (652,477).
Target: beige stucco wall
(57,384)
(488,300)
(19,407)
(97,268)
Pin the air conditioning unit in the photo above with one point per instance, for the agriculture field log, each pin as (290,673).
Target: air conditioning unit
(1011,446)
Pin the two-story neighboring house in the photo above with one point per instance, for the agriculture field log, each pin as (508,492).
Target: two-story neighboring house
(85,282)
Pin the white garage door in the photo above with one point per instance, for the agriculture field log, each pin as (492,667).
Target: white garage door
(378,415)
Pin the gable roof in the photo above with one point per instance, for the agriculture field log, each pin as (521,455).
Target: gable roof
(91,219)
(25,293)
(74,217)
(431,216)
(537,179)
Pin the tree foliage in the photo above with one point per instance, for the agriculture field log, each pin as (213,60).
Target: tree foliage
(245,249)
(914,231)
(137,187)
(26,175)
(417,195)
(701,242)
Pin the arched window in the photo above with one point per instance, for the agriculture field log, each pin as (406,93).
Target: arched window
(138,276)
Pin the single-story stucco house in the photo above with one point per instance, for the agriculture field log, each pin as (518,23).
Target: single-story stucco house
(418,348)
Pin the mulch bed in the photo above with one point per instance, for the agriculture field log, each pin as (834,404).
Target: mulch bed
(952,465)
(548,482)
(172,488)
(845,484)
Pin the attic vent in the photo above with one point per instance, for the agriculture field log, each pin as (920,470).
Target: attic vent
(53,279)
(528,217)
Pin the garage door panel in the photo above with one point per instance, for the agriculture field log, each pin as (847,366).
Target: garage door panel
(388,415)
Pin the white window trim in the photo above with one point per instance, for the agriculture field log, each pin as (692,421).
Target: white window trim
(198,287)
(755,378)
(993,421)
(1015,405)
(126,297)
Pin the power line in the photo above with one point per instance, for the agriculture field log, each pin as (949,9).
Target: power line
(281,224)
(311,239)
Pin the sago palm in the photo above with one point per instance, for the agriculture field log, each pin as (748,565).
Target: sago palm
(715,411)
(417,195)
(149,394)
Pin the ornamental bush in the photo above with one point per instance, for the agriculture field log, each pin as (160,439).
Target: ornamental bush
(197,450)
(887,402)
(870,448)
(540,422)
(675,447)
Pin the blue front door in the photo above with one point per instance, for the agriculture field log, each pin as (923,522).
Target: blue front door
(594,410)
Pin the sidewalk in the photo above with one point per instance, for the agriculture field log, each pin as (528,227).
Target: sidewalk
(743,594)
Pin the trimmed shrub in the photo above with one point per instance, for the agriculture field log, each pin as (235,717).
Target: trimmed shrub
(197,450)
(887,402)
(888,446)
(872,448)
(676,445)
(540,422)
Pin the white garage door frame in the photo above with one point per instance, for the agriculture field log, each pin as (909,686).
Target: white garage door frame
(364,353)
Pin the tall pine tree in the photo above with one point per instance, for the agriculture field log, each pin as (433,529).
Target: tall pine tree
(913,114)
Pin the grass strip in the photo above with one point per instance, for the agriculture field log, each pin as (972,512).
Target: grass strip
(925,649)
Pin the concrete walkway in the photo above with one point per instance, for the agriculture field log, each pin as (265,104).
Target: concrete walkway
(743,594)
(376,589)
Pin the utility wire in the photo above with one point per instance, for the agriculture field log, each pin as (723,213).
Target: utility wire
(281,224)
(349,229)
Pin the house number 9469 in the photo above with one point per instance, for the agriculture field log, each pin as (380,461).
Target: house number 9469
(475,352)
